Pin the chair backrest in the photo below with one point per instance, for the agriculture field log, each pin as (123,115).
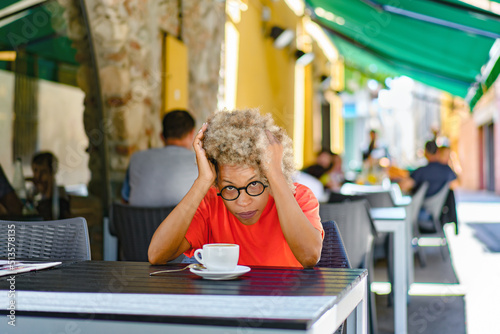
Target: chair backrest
(396,193)
(382,199)
(336,197)
(333,254)
(134,226)
(378,196)
(65,239)
(434,204)
(417,200)
(356,227)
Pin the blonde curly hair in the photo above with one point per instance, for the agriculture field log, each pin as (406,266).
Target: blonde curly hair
(239,137)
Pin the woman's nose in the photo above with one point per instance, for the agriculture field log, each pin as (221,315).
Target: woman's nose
(244,199)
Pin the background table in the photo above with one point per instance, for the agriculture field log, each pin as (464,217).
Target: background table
(393,220)
(121,296)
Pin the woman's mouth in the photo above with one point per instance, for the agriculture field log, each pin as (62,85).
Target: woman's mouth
(247,215)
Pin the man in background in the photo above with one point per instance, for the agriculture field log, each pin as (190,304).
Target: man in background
(371,146)
(51,200)
(435,173)
(162,176)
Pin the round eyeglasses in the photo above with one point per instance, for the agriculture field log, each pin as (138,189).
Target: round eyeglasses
(230,193)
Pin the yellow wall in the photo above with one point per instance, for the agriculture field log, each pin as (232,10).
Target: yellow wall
(450,119)
(265,74)
(175,57)
(268,78)
(309,152)
(336,124)
(336,106)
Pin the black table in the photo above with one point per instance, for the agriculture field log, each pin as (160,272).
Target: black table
(103,297)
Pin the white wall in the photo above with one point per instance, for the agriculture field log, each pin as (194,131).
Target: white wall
(60,121)
(61,130)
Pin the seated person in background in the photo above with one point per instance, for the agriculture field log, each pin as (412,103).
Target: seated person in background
(312,183)
(51,201)
(10,204)
(396,173)
(162,176)
(435,173)
(334,177)
(244,195)
(322,165)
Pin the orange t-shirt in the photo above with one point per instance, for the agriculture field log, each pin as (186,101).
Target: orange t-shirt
(261,244)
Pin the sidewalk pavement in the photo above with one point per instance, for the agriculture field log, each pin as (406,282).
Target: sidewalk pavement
(476,266)
(459,293)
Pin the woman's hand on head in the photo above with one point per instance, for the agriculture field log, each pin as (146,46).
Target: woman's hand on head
(206,170)
(272,167)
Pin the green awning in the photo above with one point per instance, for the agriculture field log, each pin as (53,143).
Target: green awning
(445,44)
(36,30)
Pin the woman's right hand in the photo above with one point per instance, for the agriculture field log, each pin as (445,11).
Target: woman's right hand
(206,170)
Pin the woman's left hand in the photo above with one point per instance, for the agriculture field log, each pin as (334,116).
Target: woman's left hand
(272,166)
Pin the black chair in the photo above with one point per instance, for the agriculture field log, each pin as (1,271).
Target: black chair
(358,234)
(382,199)
(336,197)
(449,211)
(134,226)
(64,239)
(377,196)
(333,253)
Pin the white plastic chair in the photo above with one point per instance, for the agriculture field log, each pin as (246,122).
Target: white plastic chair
(417,201)
(433,228)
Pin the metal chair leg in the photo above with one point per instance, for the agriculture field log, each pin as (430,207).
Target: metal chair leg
(421,257)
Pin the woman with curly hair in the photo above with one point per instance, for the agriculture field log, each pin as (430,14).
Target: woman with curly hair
(244,195)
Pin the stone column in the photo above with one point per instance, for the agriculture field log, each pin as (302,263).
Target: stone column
(127,38)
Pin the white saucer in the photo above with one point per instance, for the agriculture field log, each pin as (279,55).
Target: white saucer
(220,275)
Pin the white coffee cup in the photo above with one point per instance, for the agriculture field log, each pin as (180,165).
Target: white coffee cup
(218,257)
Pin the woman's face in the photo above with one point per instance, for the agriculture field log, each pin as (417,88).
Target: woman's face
(247,209)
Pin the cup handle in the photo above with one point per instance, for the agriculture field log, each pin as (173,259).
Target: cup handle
(198,254)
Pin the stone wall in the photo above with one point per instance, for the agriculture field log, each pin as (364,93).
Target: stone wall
(127,39)
(92,120)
